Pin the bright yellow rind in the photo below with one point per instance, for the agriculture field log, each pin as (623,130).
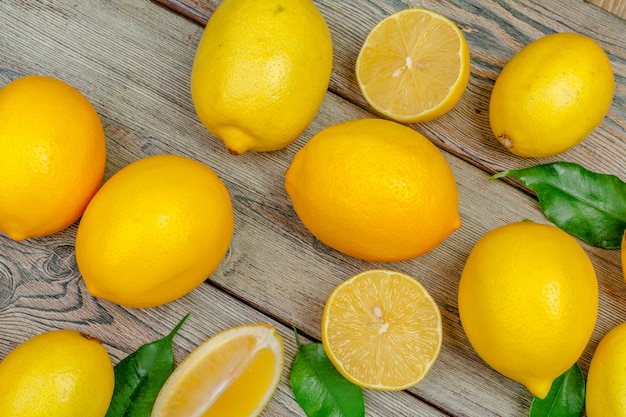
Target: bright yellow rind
(528,302)
(382,330)
(154,231)
(551,95)
(374,189)
(606,378)
(261,71)
(233,373)
(414,66)
(52,156)
(59,373)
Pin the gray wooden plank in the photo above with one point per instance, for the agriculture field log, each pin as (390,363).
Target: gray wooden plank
(132,60)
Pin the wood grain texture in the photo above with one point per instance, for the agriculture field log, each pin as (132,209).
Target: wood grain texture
(495,31)
(616,7)
(132,59)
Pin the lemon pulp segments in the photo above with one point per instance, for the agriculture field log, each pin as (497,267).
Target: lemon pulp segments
(382,330)
(414,65)
(234,373)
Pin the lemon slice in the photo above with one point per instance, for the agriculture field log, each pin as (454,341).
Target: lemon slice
(235,373)
(382,330)
(413,66)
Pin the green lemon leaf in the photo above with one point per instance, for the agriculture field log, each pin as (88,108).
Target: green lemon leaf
(565,399)
(140,376)
(320,389)
(588,205)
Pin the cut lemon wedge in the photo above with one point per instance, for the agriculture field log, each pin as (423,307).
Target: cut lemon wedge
(235,373)
(382,330)
(413,66)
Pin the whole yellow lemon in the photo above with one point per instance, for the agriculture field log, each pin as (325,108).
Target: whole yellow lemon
(606,379)
(261,71)
(59,373)
(374,189)
(528,302)
(52,156)
(154,231)
(551,95)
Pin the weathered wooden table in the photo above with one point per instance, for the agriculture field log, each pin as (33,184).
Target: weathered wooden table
(132,59)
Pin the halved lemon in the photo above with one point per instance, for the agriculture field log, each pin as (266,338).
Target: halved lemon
(382,330)
(235,373)
(413,66)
